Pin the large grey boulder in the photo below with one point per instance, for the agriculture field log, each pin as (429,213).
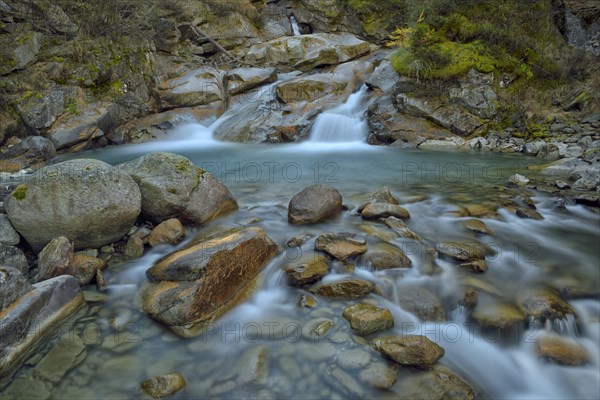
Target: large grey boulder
(314,204)
(87,201)
(34,315)
(173,187)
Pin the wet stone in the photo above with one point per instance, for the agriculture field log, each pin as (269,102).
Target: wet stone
(527,213)
(384,210)
(366,319)
(163,386)
(318,329)
(379,376)
(461,251)
(346,289)
(348,383)
(341,246)
(307,301)
(401,229)
(477,266)
(308,270)
(416,351)
(478,226)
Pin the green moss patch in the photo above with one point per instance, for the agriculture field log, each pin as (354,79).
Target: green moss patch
(20,192)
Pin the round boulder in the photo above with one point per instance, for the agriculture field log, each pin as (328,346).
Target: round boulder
(314,204)
(173,187)
(88,201)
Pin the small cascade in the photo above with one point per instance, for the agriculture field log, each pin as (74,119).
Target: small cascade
(566,326)
(295,27)
(342,123)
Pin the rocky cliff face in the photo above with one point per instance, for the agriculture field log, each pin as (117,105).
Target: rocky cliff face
(75,85)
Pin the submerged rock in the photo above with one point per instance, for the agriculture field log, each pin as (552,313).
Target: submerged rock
(341,246)
(528,213)
(254,365)
(398,226)
(497,315)
(381,195)
(477,266)
(163,386)
(314,204)
(366,319)
(478,226)
(410,351)
(354,359)
(308,270)
(439,384)
(383,210)
(346,289)
(87,201)
(387,256)
(307,301)
(379,376)
(173,187)
(317,329)
(461,251)
(421,302)
(64,356)
(34,315)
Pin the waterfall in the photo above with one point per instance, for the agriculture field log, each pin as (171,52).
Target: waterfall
(295,27)
(342,123)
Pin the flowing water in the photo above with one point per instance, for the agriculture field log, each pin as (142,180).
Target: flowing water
(125,347)
(295,28)
(342,124)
